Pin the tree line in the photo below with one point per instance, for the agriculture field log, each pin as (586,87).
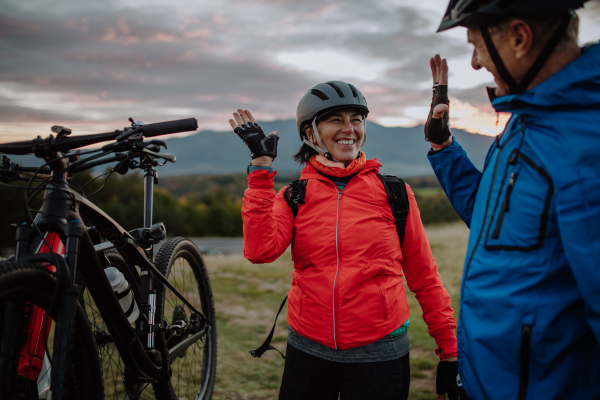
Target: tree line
(205,206)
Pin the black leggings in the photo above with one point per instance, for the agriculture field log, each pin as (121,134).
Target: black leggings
(308,377)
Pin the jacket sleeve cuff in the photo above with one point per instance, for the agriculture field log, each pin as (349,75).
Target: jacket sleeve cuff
(433,152)
(261,179)
(446,342)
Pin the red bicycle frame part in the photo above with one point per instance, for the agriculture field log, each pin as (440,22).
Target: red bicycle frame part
(33,350)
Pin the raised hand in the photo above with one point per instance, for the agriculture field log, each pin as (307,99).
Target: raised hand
(263,149)
(437,129)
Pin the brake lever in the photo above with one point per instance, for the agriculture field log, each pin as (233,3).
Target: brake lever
(152,142)
(165,156)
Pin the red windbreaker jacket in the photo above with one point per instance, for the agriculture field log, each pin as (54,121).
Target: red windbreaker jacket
(347,288)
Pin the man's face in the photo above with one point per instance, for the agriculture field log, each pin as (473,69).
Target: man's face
(481,57)
(342,132)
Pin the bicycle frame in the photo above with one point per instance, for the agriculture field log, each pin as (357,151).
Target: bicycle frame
(60,218)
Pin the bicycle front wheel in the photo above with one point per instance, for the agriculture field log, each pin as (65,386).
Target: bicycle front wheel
(26,285)
(194,371)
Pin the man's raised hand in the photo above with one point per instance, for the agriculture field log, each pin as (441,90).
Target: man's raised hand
(437,130)
(263,149)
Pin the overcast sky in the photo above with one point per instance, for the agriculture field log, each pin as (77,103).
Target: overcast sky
(91,65)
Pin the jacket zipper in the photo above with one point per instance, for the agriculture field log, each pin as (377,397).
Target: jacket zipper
(511,184)
(383,302)
(337,254)
(525,358)
(468,265)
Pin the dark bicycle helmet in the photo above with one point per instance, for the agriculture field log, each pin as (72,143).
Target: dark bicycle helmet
(477,14)
(326,97)
(323,99)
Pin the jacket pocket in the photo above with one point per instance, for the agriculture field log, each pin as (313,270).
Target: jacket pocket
(383,301)
(525,362)
(520,216)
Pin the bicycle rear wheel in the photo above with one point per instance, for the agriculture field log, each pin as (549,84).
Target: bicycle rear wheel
(27,284)
(194,371)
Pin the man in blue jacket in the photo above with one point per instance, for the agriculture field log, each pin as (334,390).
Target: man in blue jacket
(529,325)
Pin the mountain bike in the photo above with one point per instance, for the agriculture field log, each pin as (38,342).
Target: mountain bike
(63,331)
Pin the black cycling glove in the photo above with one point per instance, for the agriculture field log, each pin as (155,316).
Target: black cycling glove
(449,382)
(259,144)
(437,129)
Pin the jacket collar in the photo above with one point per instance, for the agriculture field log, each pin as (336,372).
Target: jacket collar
(309,172)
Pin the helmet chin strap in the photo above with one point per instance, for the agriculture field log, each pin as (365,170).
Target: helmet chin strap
(521,87)
(321,148)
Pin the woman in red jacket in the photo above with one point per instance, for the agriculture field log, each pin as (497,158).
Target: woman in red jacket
(347,309)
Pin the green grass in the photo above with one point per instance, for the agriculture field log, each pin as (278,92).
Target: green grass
(247,298)
(426,191)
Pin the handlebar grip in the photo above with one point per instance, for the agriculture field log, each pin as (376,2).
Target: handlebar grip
(169,127)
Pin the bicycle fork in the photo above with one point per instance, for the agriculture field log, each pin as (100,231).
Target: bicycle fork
(33,319)
(31,357)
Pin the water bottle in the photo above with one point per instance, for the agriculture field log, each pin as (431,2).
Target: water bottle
(123,292)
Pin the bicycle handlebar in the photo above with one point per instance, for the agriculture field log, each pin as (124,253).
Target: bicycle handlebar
(69,143)
(169,127)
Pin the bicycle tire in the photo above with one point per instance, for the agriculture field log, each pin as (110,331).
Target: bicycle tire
(115,380)
(31,283)
(193,373)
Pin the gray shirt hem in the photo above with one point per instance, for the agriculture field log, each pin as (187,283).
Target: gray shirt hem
(390,347)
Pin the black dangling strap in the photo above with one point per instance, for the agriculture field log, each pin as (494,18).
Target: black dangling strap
(504,74)
(513,86)
(267,344)
(546,53)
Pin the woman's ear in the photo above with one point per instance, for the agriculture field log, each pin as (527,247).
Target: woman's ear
(310,134)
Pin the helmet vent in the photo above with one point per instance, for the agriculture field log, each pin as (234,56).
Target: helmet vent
(337,88)
(354,91)
(319,94)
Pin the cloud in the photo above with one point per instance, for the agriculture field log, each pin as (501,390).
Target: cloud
(96,64)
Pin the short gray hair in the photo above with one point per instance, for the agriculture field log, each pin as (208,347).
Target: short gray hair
(543,29)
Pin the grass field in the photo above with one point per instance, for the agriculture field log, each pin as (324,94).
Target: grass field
(247,298)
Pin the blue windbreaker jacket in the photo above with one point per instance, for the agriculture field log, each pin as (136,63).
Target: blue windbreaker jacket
(529,324)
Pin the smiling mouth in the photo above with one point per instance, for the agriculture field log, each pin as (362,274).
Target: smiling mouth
(346,141)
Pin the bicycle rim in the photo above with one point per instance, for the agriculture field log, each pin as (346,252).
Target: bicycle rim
(193,373)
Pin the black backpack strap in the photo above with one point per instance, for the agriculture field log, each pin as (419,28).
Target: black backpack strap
(398,199)
(294,195)
(267,344)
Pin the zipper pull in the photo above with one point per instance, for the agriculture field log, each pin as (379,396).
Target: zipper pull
(511,184)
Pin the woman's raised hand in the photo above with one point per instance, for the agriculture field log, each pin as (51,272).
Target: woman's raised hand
(437,130)
(263,149)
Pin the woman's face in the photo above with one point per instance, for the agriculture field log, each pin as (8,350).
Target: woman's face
(342,132)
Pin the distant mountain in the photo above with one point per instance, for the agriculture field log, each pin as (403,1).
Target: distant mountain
(402,151)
